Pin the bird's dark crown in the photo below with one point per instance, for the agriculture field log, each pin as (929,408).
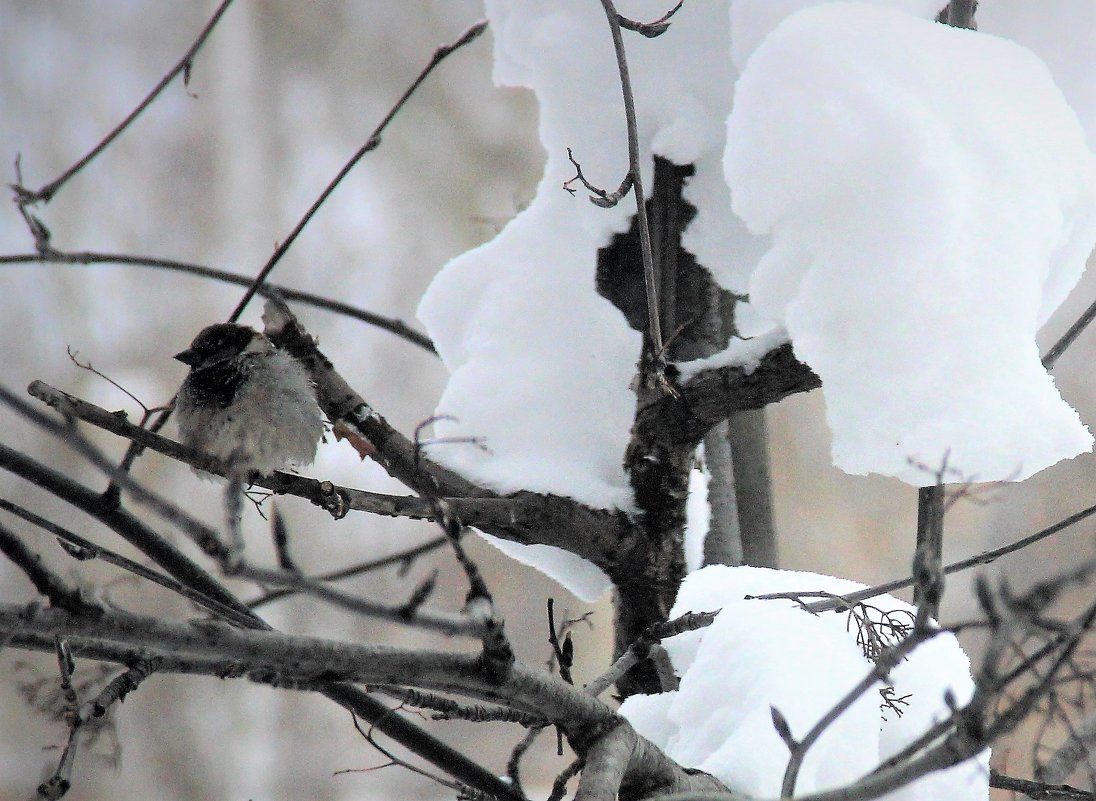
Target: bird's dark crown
(216,342)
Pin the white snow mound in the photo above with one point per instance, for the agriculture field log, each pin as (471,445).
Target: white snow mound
(930,199)
(771,653)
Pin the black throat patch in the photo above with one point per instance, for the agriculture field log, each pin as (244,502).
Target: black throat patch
(217,384)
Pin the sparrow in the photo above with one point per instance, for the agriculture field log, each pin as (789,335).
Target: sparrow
(247,403)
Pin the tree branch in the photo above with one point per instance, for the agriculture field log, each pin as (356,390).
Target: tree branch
(59,593)
(1038,791)
(390,324)
(83,549)
(26,197)
(983,558)
(371,143)
(928,587)
(650,270)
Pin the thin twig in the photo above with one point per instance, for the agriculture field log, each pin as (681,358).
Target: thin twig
(639,649)
(1069,337)
(650,273)
(394,760)
(390,324)
(45,581)
(401,558)
(887,660)
(83,549)
(559,786)
(602,198)
(513,763)
(451,624)
(371,143)
(983,558)
(651,29)
(27,197)
(565,653)
(61,781)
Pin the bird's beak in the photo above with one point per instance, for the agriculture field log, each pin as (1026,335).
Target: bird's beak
(188,356)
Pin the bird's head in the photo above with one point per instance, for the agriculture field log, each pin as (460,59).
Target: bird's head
(222,342)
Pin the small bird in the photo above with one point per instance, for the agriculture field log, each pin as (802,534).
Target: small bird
(247,403)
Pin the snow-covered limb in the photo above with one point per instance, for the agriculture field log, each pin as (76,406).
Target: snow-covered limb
(642,556)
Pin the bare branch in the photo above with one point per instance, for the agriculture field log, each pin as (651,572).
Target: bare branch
(448,709)
(928,588)
(1069,337)
(886,661)
(59,593)
(639,649)
(1078,747)
(149,542)
(559,786)
(564,654)
(412,616)
(650,272)
(371,143)
(390,324)
(208,646)
(403,558)
(26,197)
(179,566)
(602,198)
(983,558)
(1038,791)
(83,549)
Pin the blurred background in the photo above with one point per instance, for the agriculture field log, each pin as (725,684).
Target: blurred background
(218,173)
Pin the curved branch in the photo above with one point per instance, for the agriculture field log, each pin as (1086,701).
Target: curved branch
(26,197)
(390,324)
(122,523)
(650,274)
(301,659)
(525,517)
(298,662)
(983,558)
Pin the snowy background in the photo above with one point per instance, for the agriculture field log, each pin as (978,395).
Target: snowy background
(284,93)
